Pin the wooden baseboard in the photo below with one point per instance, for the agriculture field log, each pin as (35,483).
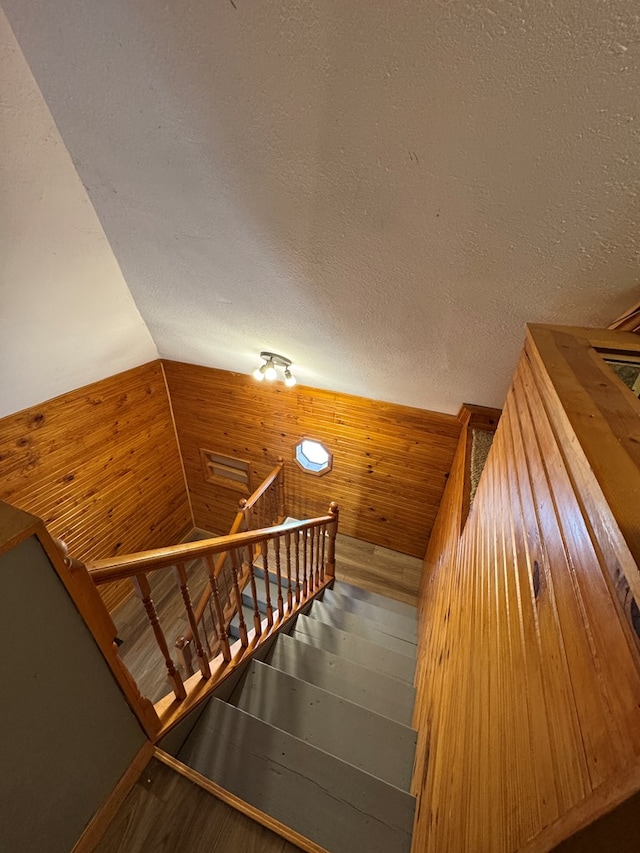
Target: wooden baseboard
(98,824)
(231,800)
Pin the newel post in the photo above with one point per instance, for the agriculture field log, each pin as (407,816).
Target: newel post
(282,510)
(246,512)
(90,604)
(330,566)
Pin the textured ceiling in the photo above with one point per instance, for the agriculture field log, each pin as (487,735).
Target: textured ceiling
(384,192)
(67,317)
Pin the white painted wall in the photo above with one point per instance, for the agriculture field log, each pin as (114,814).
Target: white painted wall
(384,191)
(67,317)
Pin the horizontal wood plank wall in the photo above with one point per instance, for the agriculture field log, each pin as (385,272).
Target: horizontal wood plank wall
(529,675)
(389,467)
(101,467)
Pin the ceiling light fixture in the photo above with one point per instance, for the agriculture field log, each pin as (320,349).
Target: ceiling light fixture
(268,370)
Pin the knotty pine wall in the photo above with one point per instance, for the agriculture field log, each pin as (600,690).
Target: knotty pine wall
(101,467)
(389,467)
(529,670)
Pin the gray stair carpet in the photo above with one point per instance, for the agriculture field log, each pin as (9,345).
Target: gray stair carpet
(357,592)
(375,632)
(329,722)
(366,687)
(316,794)
(354,648)
(386,620)
(318,735)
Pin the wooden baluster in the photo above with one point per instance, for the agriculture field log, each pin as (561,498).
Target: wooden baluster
(287,544)
(143,591)
(264,544)
(244,642)
(323,534)
(282,509)
(181,575)
(227,583)
(330,567)
(312,577)
(305,585)
(203,625)
(212,619)
(318,551)
(257,621)
(276,544)
(297,546)
(221,627)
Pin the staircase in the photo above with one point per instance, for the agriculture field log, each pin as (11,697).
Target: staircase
(317,734)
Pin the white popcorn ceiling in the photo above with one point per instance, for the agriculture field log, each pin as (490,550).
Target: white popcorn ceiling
(384,192)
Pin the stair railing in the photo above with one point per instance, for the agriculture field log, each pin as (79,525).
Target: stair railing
(303,555)
(265,507)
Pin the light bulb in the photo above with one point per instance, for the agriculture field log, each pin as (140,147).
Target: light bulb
(270,372)
(289,378)
(259,372)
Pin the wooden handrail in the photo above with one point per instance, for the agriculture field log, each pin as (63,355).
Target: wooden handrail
(218,654)
(128,565)
(250,502)
(243,517)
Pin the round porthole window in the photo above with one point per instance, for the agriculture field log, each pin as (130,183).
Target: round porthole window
(312,456)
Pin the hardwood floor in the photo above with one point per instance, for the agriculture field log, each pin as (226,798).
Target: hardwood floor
(166,813)
(360,563)
(378,569)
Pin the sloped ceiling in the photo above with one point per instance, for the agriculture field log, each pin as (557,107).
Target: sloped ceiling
(67,317)
(385,192)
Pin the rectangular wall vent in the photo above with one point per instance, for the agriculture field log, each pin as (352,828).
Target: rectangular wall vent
(226,471)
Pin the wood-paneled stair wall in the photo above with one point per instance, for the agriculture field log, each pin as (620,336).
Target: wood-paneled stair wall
(528,680)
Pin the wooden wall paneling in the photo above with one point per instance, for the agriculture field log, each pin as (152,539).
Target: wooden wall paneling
(544,799)
(101,467)
(528,683)
(390,462)
(598,610)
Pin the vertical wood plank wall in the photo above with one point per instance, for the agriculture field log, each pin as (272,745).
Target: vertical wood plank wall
(529,673)
(389,467)
(100,466)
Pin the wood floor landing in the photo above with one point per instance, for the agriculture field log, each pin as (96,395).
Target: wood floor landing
(166,813)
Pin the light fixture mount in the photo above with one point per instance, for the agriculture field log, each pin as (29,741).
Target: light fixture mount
(267,370)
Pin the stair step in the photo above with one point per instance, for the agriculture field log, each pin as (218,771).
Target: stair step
(354,648)
(354,734)
(374,598)
(399,626)
(373,690)
(337,806)
(374,632)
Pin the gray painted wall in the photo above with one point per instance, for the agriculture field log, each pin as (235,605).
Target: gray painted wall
(66,732)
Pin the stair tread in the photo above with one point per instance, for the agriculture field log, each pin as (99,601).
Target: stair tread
(374,690)
(329,722)
(399,626)
(384,601)
(375,632)
(354,648)
(323,798)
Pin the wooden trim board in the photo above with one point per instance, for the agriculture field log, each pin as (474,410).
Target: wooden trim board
(231,800)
